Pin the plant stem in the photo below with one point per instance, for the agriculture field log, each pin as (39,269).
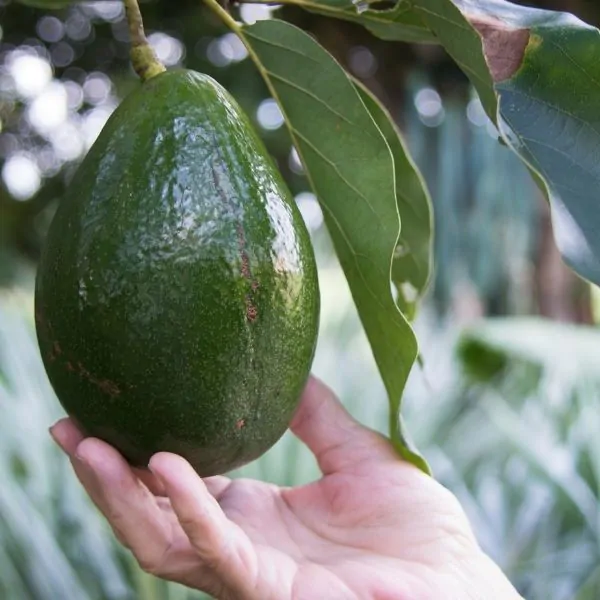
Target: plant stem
(227,19)
(143,58)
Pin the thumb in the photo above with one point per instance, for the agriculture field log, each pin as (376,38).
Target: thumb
(336,439)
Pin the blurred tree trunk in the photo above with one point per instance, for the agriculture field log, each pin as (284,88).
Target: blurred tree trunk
(561,295)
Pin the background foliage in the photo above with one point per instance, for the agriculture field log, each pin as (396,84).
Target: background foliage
(504,412)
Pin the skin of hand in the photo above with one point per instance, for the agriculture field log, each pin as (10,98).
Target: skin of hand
(373,527)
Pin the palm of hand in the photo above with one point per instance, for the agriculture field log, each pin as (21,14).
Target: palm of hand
(373,527)
(355,534)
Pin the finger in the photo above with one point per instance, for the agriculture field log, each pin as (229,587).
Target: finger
(127,504)
(150,481)
(336,439)
(217,485)
(68,436)
(221,545)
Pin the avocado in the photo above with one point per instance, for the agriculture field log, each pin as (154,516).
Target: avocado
(177,300)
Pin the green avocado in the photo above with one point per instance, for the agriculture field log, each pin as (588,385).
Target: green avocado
(177,299)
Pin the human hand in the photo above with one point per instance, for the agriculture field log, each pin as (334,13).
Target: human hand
(373,527)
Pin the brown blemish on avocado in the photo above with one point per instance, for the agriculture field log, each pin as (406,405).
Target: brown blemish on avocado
(245,270)
(55,351)
(503,45)
(106,385)
(41,321)
(246,266)
(251,312)
(83,370)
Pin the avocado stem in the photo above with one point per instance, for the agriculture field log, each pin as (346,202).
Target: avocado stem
(144,60)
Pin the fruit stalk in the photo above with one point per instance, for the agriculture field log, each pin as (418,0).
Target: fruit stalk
(144,60)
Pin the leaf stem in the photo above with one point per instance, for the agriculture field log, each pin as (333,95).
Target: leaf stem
(144,60)
(223,15)
(237,28)
(309,5)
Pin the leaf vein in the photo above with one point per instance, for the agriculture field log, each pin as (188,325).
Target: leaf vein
(337,170)
(356,256)
(558,109)
(444,18)
(576,63)
(290,49)
(565,155)
(310,94)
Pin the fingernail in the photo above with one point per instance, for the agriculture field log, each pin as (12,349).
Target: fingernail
(80,458)
(157,475)
(56,437)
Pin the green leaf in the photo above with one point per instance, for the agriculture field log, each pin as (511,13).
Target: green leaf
(412,263)
(544,68)
(590,588)
(462,42)
(399,23)
(551,118)
(481,362)
(350,168)
(556,347)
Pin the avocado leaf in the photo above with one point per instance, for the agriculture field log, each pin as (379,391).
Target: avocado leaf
(542,66)
(400,23)
(350,167)
(536,72)
(412,263)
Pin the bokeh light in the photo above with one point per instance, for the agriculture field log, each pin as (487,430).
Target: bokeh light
(475,113)
(269,114)
(294,162)
(225,50)
(362,62)
(169,50)
(251,13)
(49,110)
(30,72)
(50,29)
(310,209)
(429,106)
(21,176)
(96,88)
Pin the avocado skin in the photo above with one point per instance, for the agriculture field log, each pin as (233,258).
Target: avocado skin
(177,299)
